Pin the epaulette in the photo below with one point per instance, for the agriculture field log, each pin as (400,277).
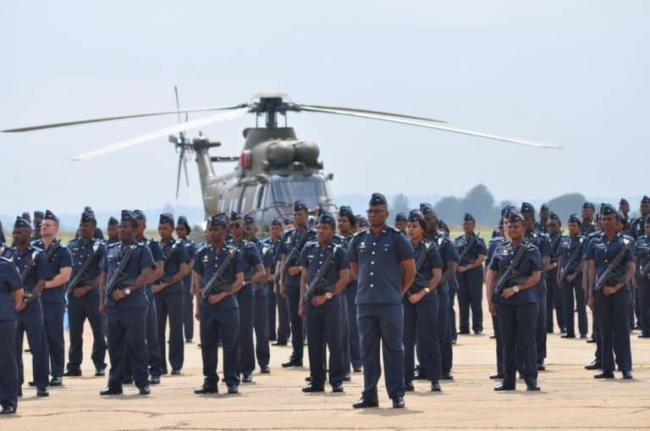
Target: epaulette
(114,244)
(6,259)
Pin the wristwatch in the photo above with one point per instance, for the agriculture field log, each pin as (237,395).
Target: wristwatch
(428,290)
(515,289)
(328,295)
(127,291)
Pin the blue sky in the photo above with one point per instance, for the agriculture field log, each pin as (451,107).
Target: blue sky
(573,73)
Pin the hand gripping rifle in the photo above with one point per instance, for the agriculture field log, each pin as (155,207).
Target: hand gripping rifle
(118,276)
(512,275)
(607,274)
(468,247)
(572,259)
(72,284)
(216,282)
(316,281)
(293,254)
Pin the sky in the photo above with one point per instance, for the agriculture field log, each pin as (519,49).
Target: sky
(572,73)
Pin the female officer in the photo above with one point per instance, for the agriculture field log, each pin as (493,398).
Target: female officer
(11,295)
(515,301)
(642,253)
(421,306)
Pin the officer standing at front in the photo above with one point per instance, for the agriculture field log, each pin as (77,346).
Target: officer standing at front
(183,230)
(322,305)
(612,298)
(382,261)
(126,306)
(571,250)
(280,332)
(168,291)
(53,297)
(516,304)
(217,310)
(34,270)
(554,297)
(421,307)
(293,242)
(471,251)
(83,298)
(642,254)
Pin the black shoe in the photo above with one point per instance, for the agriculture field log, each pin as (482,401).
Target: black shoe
(188,341)
(583,337)
(279,343)
(313,388)
(531,385)
(567,336)
(478,332)
(364,403)
(337,388)
(247,378)
(154,380)
(504,387)
(176,372)
(627,375)
(75,373)
(398,403)
(541,367)
(435,387)
(42,392)
(604,375)
(446,376)
(357,369)
(32,384)
(292,363)
(463,332)
(347,377)
(595,365)
(644,335)
(418,374)
(144,390)
(265,370)
(20,392)
(203,390)
(493,337)
(408,387)
(308,379)
(100,372)
(591,340)
(8,410)
(233,389)
(56,381)
(496,377)
(110,391)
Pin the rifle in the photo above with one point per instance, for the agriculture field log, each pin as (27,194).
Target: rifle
(468,246)
(82,270)
(215,282)
(315,282)
(168,259)
(606,275)
(118,276)
(25,273)
(293,254)
(512,275)
(554,246)
(577,252)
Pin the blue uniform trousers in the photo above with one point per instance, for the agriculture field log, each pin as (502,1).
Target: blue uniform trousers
(554,303)
(30,321)
(421,328)
(382,325)
(246,347)
(325,328)
(540,327)
(261,326)
(498,336)
(644,303)
(170,307)
(574,299)
(613,322)
(284,327)
(127,337)
(518,324)
(297,333)
(350,294)
(53,313)
(80,309)
(8,364)
(216,325)
(444,329)
(188,314)
(470,296)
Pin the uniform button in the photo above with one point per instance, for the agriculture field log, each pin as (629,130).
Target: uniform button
(372,263)
(374,243)
(373,252)
(372,285)
(320,261)
(372,273)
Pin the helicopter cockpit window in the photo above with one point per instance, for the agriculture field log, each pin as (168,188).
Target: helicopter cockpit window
(286,190)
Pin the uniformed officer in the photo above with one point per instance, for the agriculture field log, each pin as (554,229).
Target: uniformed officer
(493,245)
(554,297)
(293,242)
(624,210)
(34,270)
(544,217)
(642,254)
(169,291)
(400,222)
(471,250)
(83,297)
(261,297)
(127,269)
(153,342)
(111,231)
(11,298)
(217,309)
(421,306)
(588,224)
(38,219)
(183,230)
(346,224)
(636,226)
(362,223)
(515,303)
(2,234)
(611,263)
(280,333)
(382,261)
(324,274)
(59,261)
(541,241)
(587,274)
(570,275)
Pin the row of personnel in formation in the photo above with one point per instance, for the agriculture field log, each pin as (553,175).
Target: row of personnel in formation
(353,292)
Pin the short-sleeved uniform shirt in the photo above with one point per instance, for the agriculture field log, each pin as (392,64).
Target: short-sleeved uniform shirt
(38,267)
(379,258)
(9,283)
(568,246)
(190,248)
(469,249)
(427,258)
(289,241)
(140,259)
(59,257)
(81,251)
(448,254)
(603,251)
(251,258)
(314,256)
(207,262)
(175,254)
(530,262)
(642,253)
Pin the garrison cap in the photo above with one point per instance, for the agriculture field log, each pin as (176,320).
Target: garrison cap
(573,218)
(277,222)
(21,223)
(27,217)
(527,208)
(182,221)
(442,225)
(608,209)
(327,218)
(88,216)
(112,221)
(514,216)
(377,199)
(544,207)
(219,220)
(417,216)
(38,215)
(139,215)
(505,210)
(645,200)
(346,211)
(588,205)
(249,219)
(166,218)
(400,217)
(234,216)
(49,215)
(362,221)
(300,206)
(553,216)
(427,209)
(129,217)
(623,201)
(469,217)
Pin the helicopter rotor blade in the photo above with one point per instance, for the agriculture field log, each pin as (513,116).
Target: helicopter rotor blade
(121,117)
(371,112)
(178,173)
(187,178)
(419,123)
(161,133)
(178,104)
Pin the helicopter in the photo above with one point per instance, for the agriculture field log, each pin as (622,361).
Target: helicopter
(275,168)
